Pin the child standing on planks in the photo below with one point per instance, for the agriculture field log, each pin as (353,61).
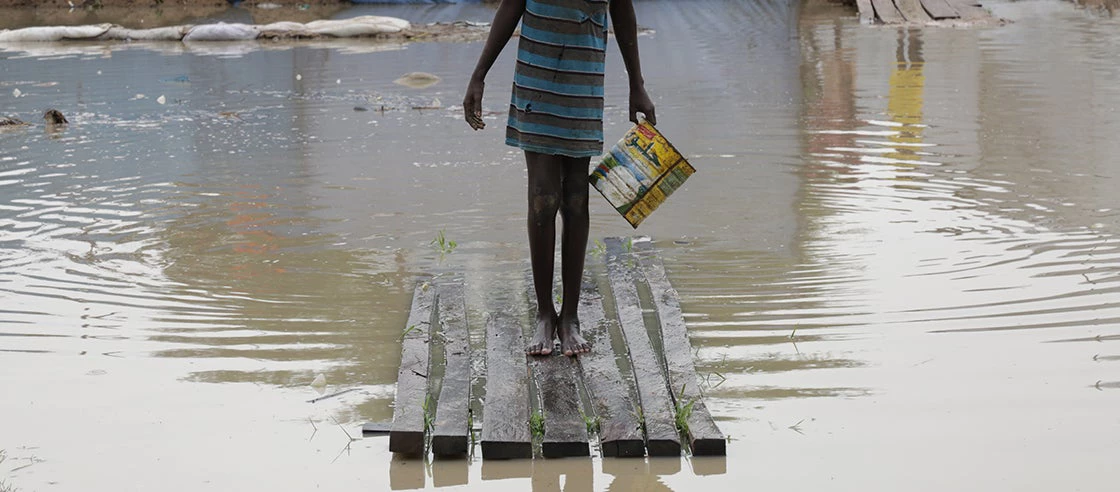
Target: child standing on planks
(556,117)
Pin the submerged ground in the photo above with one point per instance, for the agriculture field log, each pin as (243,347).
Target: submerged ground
(898,257)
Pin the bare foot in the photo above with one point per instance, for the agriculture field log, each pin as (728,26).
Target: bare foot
(543,337)
(571,341)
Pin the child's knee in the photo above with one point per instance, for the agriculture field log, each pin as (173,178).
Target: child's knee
(544,203)
(574,204)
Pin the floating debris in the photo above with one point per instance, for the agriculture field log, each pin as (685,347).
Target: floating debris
(418,80)
(55,117)
(6,121)
(161,99)
(16,92)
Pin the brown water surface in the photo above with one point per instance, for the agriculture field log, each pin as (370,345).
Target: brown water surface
(898,259)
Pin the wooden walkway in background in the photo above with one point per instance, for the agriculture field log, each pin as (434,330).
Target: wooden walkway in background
(640,402)
(924,12)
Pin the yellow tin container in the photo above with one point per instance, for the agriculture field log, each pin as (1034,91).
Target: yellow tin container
(640,172)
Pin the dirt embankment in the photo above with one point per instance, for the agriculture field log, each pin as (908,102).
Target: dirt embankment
(94,4)
(138,14)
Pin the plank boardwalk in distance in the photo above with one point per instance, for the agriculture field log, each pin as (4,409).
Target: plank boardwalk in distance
(887,13)
(655,404)
(912,10)
(565,432)
(505,423)
(866,12)
(704,436)
(940,9)
(449,432)
(407,433)
(970,10)
(620,435)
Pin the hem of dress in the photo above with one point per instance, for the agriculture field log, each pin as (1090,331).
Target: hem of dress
(540,149)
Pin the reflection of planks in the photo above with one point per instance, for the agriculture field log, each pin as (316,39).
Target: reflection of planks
(587,398)
(923,12)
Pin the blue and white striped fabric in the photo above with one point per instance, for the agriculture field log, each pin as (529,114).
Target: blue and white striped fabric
(557,104)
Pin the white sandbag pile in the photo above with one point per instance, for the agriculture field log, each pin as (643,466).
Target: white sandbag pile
(368,25)
(222,32)
(53,33)
(173,33)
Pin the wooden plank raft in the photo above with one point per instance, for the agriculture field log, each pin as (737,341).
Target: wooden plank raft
(925,12)
(632,397)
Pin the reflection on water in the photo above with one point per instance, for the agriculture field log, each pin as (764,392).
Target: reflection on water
(899,250)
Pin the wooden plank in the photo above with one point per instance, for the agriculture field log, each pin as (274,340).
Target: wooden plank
(704,436)
(886,12)
(940,9)
(450,435)
(653,394)
(377,428)
(407,433)
(565,432)
(620,435)
(912,10)
(970,10)
(866,12)
(505,423)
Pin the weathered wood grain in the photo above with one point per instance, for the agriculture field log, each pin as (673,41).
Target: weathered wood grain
(866,12)
(940,9)
(620,434)
(886,12)
(704,436)
(565,432)
(655,404)
(912,10)
(505,423)
(450,435)
(407,433)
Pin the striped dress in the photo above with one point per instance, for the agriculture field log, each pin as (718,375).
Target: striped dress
(557,104)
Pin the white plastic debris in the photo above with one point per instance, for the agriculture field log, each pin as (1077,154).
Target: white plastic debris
(222,32)
(16,92)
(161,99)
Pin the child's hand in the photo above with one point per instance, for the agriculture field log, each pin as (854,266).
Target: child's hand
(641,103)
(472,104)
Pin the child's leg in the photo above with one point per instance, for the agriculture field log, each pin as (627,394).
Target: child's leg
(545,177)
(573,250)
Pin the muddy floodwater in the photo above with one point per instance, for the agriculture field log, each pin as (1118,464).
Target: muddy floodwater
(898,258)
